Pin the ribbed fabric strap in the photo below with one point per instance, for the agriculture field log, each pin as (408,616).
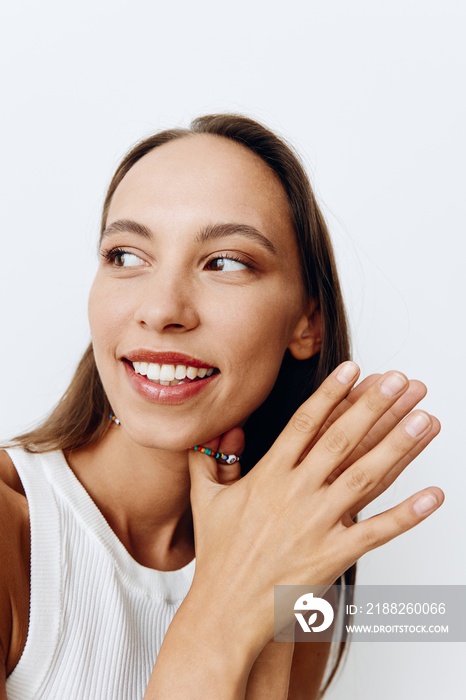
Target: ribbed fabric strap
(98,618)
(44,618)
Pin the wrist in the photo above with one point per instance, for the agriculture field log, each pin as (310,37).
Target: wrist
(224,622)
(206,653)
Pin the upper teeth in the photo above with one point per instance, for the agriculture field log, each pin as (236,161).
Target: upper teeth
(168,373)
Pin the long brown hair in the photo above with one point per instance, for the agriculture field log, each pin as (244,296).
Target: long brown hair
(82,415)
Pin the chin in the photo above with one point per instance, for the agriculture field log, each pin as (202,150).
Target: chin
(160,442)
(170,439)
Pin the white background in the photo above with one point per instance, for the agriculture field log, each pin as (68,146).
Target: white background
(372,95)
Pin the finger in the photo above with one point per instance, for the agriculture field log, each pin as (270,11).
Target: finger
(204,475)
(360,480)
(335,446)
(228,473)
(309,418)
(342,407)
(395,472)
(364,384)
(379,529)
(351,399)
(231,442)
(414,394)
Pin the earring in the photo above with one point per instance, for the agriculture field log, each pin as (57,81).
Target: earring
(113,418)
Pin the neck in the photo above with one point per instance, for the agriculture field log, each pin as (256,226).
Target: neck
(144,496)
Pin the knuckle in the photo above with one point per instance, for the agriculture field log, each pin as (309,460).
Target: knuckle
(331,391)
(359,480)
(336,440)
(305,423)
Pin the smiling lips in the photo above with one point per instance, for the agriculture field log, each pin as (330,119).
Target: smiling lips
(171,374)
(168,377)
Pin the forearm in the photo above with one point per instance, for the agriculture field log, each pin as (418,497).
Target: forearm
(187,667)
(204,655)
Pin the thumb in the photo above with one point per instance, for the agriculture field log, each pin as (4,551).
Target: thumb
(207,475)
(231,442)
(203,473)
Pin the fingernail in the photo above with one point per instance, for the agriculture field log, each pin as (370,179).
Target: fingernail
(425,504)
(347,372)
(416,424)
(392,384)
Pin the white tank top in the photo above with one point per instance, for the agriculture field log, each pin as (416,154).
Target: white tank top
(97,617)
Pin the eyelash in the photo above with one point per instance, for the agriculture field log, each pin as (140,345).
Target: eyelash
(230,256)
(110,256)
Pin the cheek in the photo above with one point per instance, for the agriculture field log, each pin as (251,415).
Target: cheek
(264,324)
(107,314)
(257,335)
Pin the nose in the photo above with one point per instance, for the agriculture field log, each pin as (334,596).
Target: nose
(167,302)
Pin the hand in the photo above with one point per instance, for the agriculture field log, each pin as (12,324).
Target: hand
(231,442)
(415,392)
(284,522)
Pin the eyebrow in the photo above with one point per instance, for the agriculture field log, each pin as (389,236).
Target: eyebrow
(213,231)
(209,232)
(126,226)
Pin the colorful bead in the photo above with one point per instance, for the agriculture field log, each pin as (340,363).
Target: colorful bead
(114,418)
(228,459)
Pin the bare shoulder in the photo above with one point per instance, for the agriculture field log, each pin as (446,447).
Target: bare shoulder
(8,474)
(14,515)
(14,574)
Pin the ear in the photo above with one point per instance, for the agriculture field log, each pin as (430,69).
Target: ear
(306,340)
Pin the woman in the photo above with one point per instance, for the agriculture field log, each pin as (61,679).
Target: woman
(215,312)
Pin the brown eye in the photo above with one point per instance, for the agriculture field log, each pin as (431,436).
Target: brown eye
(224,264)
(122,258)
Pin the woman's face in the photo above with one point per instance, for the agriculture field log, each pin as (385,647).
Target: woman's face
(198,292)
